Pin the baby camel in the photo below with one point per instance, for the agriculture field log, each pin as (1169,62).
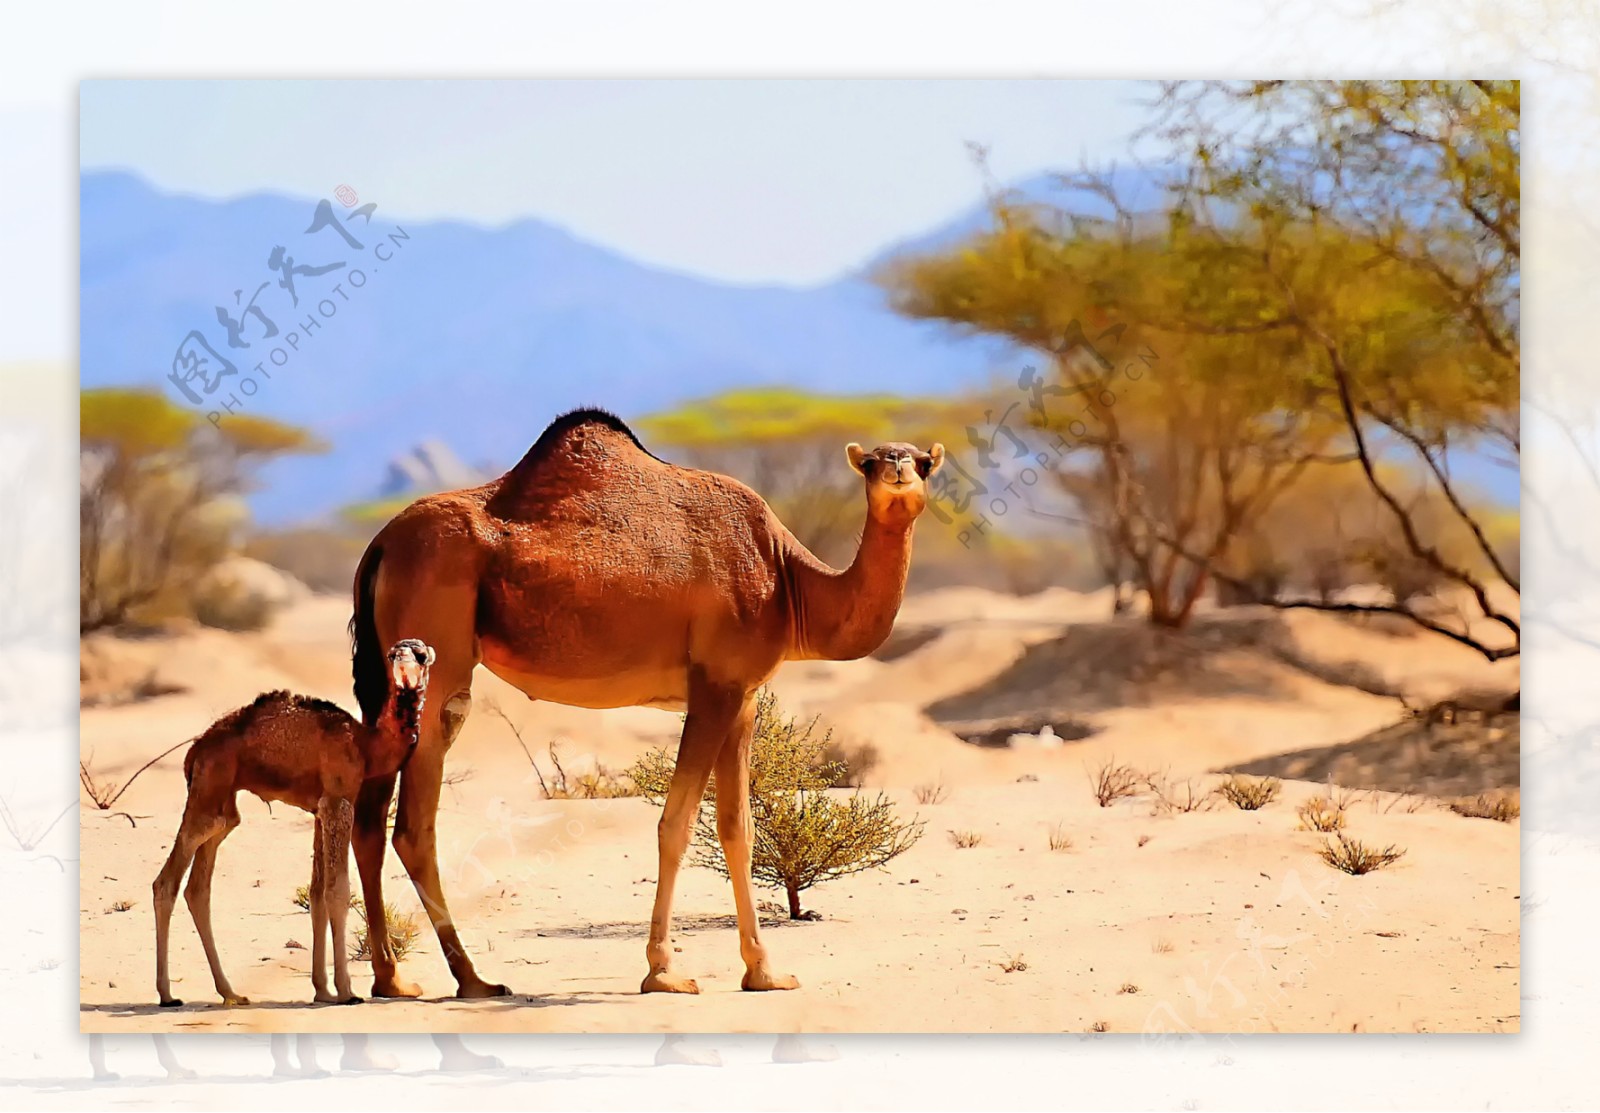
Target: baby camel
(306,752)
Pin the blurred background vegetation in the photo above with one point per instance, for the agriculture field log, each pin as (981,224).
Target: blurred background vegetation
(1257,385)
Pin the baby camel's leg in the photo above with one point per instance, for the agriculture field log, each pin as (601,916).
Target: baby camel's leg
(336,815)
(319,920)
(198,895)
(198,826)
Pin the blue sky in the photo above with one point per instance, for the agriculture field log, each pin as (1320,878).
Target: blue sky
(791,181)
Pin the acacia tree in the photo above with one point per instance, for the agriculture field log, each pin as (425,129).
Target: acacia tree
(1179,464)
(1379,223)
(157,491)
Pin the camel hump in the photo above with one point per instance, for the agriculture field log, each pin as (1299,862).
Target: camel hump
(571,449)
(578,425)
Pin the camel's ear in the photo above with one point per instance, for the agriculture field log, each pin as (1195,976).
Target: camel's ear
(428,656)
(857,456)
(935,459)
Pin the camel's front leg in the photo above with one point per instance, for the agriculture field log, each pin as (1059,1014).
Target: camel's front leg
(734,831)
(712,710)
(370,838)
(416,838)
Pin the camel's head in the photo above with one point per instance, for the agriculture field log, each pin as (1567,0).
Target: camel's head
(409,661)
(897,477)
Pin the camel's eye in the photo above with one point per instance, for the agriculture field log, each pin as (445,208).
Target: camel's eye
(868,465)
(924,464)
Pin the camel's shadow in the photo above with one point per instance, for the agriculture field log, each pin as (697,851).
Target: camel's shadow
(352,1012)
(633,929)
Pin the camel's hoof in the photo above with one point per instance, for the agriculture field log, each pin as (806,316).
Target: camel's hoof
(235,999)
(181,1074)
(172,1003)
(473,991)
(668,983)
(323,997)
(760,981)
(394,987)
(351,1000)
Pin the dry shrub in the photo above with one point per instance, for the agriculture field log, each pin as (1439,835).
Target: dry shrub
(1178,797)
(106,793)
(323,559)
(802,835)
(932,793)
(1014,964)
(966,840)
(1501,806)
(854,762)
(1059,839)
(1249,793)
(402,928)
(598,783)
(228,606)
(1320,814)
(1352,856)
(1112,781)
(302,899)
(1405,803)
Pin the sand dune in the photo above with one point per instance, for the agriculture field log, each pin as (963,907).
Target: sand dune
(1221,920)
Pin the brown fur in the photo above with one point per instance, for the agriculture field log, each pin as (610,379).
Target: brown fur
(596,575)
(305,752)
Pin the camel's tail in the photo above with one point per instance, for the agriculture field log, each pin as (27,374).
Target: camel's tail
(366,654)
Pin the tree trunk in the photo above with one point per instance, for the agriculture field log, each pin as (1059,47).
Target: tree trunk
(794,902)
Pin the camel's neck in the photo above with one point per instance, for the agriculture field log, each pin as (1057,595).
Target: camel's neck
(839,616)
(398,729)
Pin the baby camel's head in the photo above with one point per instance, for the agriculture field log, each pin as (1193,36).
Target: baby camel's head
(408,665)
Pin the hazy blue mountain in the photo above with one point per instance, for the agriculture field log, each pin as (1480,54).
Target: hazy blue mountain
(469,335)
(472,337)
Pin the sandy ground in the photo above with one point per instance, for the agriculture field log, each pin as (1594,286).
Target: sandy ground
(1222,920)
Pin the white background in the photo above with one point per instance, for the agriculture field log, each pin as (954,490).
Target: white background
(46,48)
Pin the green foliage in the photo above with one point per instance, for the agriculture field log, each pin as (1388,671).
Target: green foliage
(132,422)
(788,445)
(785,415)
(803,836)
(376,512)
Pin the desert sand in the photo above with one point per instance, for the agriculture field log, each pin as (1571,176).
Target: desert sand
(1212,921)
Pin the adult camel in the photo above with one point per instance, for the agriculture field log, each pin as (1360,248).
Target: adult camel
(595,575)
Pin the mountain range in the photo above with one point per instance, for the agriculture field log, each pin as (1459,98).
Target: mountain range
(383,335)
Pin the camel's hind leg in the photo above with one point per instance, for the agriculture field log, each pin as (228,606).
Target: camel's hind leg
(335,817)
(198,826)
(318,892)
(198,895)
